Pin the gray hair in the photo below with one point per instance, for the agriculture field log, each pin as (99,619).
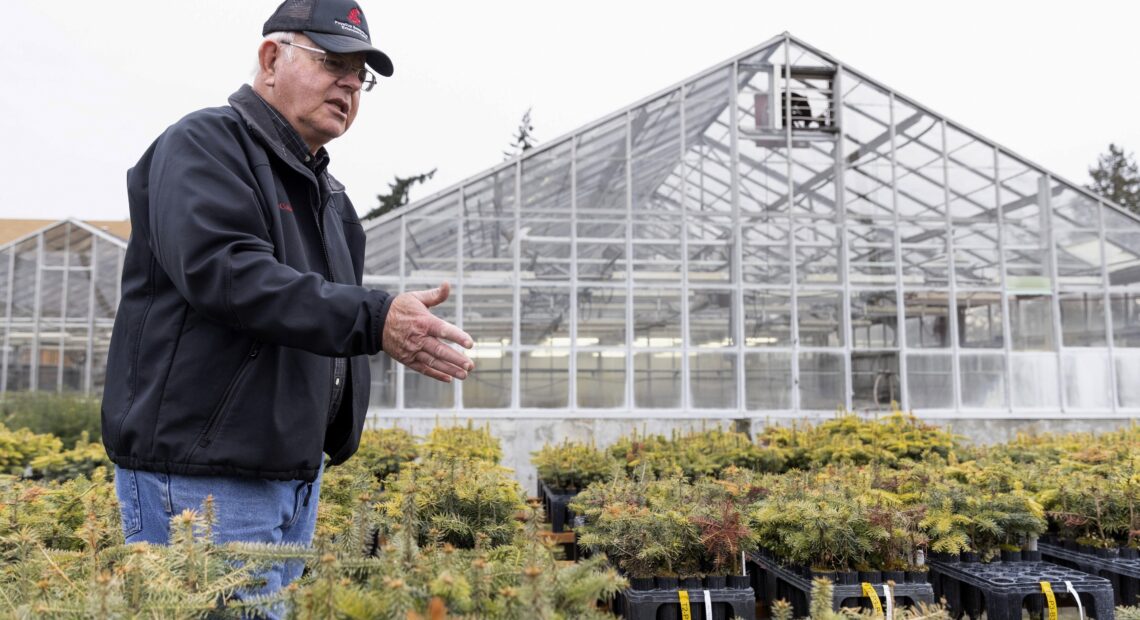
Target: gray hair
(287,51)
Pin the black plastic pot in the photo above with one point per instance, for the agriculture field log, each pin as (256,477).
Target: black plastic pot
(667,583)
(896,576)
(846,577)
(691,583)
(1030,556)
(1129,553)
(969,556)
(739,582)
(870,576)
(916,576)
(716,582)
(641,583)
(1010,556)
(828,574)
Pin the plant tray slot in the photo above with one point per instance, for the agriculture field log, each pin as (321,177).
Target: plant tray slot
(774,582)
(1003,587)
(1124,574)
(555,504)
(737,603)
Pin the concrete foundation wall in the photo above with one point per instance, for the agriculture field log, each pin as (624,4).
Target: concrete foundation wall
(520,436)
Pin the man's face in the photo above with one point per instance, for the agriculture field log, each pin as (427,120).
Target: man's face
(319,105)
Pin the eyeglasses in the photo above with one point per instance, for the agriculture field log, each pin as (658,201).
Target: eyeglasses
(340,67)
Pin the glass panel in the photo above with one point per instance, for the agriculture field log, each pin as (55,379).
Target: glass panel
(601,251)
(80,242)
(74,363)
(868,178)
(1073,208)
(657,249)
(544,259)
(970,174)
(601,168)
(601,379)
(920,170)
(78,294)
(925,252)
(813,180)
(656,144)
(1027,270)
(1031,322)
(930,381)
(51,293)
(817,252)
(1087,381)
(875,380)
(1034,380)
(381,252)
(874,319)
(1023,191)
(979,320)
(49,361)
(767,318)
(1127,369)
(1078,258)
(983,381)
(657,380)
(24,280)
(766,251)
(382,392)
(5,274)
(657,317)
(927,319)
(871,253)
(710,248)
(422,392)
(601,316)
(55,246)
(545,183)
(768,380)
(823,385)
(976,260)
(431,247)
(544,378)
(444,207)
(710,318)
(712,380)
(107,276)
(19,361)
(1125,318)
(1082,319)
(489,387)
(1122,252)
(820,318)
(488,313)
(544,316)
(491,197)
(487,245)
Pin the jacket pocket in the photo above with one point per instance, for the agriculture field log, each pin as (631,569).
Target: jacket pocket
(214,423)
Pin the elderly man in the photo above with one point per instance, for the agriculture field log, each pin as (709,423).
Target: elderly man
(239,353)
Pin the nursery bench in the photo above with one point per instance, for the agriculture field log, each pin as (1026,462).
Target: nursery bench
(1124,573)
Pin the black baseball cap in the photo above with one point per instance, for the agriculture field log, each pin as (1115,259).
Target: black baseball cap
(335,25)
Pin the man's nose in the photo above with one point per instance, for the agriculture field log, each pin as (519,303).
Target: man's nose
(352,80)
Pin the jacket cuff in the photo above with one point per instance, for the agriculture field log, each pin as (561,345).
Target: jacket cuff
(381,316)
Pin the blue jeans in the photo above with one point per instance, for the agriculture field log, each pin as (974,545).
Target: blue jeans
(246,509)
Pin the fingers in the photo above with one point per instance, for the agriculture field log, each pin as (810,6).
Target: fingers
(433,296)
(446,331)
(423,369)
(440,365)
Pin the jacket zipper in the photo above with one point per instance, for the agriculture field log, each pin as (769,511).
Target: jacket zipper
(332,278)
(213,424)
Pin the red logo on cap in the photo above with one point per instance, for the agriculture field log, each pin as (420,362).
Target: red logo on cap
(354,16)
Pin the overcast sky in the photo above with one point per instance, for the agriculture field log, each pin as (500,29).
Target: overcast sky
(87,86)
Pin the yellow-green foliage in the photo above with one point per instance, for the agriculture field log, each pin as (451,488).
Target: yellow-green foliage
(463,442)
(694,454)
(892,441)
(20,447)
(454,501)
(51,514)
(572,465)
(383,451)
(78,461)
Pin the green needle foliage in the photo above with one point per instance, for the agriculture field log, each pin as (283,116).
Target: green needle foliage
(572,466)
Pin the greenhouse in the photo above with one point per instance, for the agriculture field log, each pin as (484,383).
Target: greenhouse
(777,235)
(59,290)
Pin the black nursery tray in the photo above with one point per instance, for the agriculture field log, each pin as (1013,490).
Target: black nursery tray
(665,603)
(1003,587)
(555,502)
(1124,573)
(774,582)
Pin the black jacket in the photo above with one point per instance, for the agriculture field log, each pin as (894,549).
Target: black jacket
(241,285)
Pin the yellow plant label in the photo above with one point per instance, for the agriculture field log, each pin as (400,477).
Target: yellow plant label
(686,613)
(869,592)
(1052,600)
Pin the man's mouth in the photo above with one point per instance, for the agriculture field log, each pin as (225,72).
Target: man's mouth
(339,105)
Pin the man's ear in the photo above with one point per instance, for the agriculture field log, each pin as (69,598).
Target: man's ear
(267,56)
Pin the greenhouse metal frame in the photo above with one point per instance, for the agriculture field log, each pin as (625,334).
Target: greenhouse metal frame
(659,262)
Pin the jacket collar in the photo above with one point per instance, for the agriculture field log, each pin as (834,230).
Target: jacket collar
(256,115)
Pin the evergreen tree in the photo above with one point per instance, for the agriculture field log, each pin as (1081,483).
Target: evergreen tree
(1117,178)
(523,139)
(399,192)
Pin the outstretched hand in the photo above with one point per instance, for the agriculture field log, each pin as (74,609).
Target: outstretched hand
(418,339)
